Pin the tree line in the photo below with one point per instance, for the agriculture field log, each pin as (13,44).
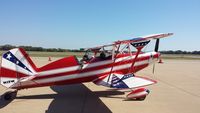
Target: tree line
(41,49)
(30,48)
(181,52)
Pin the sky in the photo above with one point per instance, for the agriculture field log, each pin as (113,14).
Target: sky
(74,24)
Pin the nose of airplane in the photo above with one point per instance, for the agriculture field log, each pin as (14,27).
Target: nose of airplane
(156,55)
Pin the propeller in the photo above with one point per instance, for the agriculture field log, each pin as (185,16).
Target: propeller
(156,50)
(157,45)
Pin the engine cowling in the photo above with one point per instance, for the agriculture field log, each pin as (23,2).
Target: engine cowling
(138,94)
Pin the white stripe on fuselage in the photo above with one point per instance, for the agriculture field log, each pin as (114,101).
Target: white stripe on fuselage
(86,66)
(85,74)
(91,73)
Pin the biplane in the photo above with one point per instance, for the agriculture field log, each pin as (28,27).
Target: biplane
(113,66)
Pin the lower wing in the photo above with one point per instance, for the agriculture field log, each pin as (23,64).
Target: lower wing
(120,81)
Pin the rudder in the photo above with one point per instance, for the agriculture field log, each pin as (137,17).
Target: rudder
(15,65)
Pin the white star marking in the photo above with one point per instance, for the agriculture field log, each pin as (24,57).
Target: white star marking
(8,56)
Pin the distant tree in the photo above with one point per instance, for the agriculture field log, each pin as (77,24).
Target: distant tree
(196,52)
(30,48)
(82,49)
(60,50)
(181,52)
(7,47)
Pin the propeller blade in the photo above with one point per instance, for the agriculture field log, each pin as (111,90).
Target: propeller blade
(157,45)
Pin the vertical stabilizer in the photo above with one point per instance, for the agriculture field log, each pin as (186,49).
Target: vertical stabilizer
(15,65)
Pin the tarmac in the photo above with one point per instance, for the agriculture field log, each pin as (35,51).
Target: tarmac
(177,91)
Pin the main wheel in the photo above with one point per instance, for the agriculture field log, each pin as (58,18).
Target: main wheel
(141,98)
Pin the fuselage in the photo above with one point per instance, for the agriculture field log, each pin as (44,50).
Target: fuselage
(91,70)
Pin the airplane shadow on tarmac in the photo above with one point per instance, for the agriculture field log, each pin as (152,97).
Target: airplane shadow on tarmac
(76,99)
(4,103)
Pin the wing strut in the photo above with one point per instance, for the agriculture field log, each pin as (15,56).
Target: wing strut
(115,54)
(139,46)
(136,56)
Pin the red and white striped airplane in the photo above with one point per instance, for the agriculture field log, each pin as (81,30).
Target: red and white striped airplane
(111,65)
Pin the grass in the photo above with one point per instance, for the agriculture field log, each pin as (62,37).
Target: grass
(80,54)
(55,54)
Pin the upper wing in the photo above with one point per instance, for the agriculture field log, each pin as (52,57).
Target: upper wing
(144,38)
(134,40)
(157,36)
(124,81)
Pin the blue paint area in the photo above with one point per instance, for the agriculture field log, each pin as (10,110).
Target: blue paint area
(117,83)
(136,38)
(10,57)
(127,76)
(140,44)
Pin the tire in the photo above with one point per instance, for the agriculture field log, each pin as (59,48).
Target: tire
(141,98)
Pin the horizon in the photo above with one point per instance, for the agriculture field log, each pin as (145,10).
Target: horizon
(82,24)
(82,48)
